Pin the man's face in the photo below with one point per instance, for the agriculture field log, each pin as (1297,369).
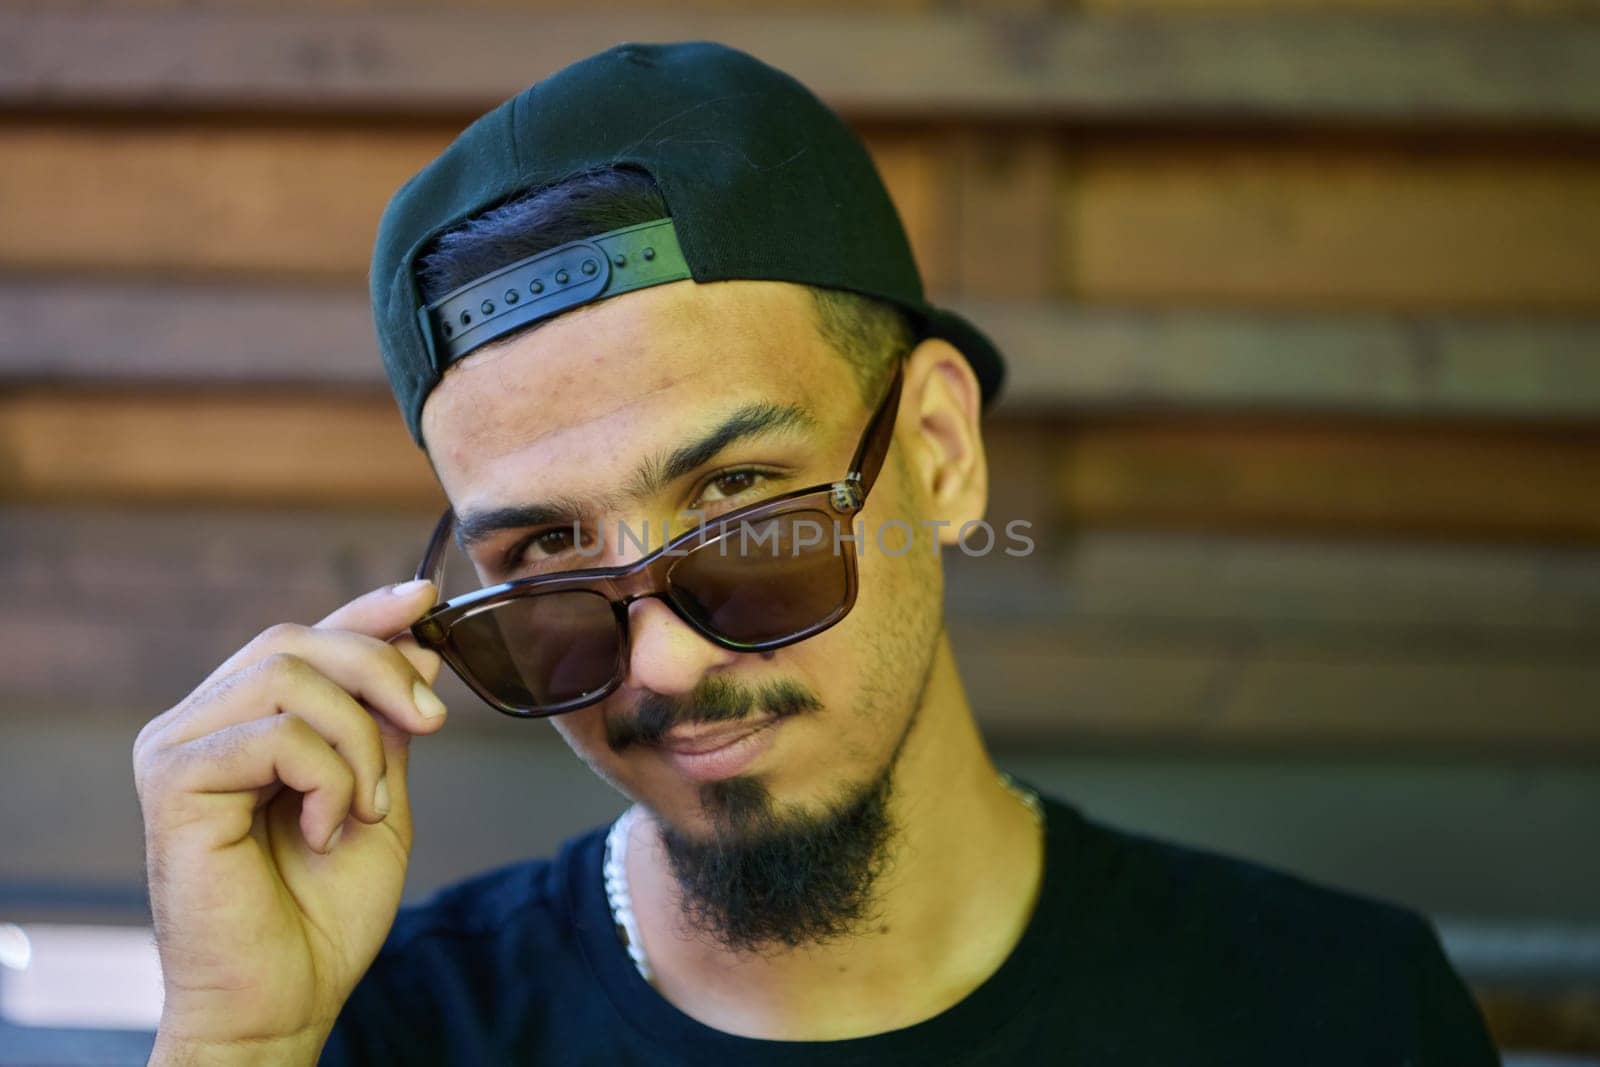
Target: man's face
(574,410)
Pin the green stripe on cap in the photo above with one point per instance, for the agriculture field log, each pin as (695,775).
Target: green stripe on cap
(555,280)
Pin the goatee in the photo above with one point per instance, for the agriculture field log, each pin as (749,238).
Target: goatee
(768,879)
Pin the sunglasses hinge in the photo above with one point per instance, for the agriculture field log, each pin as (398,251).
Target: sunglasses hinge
(847,495)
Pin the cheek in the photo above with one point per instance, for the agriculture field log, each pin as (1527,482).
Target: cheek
(901,590)
(903,601)
(869,668)
(906,621)
(584,731)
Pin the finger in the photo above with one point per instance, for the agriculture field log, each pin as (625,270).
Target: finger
(286,685)
(385,612)
(374,672)
(226,768)
(397,757)
(381,613)
(425,661)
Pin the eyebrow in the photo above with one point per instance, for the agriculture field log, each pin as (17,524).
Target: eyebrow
(654,472)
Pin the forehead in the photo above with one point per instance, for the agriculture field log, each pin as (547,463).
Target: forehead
(594,388)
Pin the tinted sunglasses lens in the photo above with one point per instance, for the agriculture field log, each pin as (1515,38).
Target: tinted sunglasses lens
(539,651)
(765,579)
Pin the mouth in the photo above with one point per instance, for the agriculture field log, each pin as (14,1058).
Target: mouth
(708,753)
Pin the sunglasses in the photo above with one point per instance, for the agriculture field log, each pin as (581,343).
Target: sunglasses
(752,580)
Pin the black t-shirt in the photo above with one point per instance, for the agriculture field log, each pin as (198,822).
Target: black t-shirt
(1140,952)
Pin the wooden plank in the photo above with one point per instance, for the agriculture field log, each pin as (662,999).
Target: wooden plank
(1026,686)
(1062,358)
(1038,683)
(614,8)
(204,199)
(1119,640)
(1196,598)
(1461,7)
(1245,643)
(1008,243)
(1076,357)
(130,332)
(919,180)
(1154,221)
(1303,223)
(1332,477)
(301,200)
(1360,597)
(1263,474)
(1297,223)
(1305,65)
(258,447)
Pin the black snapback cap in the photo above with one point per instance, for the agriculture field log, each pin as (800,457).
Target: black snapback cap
(761,181)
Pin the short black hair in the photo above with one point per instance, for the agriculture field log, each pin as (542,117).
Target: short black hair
(871,335)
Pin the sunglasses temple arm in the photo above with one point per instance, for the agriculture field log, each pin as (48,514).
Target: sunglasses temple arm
(432,565)
(879,435)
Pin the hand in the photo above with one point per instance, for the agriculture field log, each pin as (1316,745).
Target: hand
(277,826)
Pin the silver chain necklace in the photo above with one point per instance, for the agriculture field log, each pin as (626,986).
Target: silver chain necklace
(615,869)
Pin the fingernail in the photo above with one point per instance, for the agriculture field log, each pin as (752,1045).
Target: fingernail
(427,702)
(380,796)
(334,838)
(407,588)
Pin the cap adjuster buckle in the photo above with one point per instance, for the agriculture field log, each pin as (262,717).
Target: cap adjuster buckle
(549,283)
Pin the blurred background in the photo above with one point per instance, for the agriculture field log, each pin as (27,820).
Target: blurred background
(1302,306)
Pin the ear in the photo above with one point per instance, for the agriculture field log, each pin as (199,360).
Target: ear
(940,416)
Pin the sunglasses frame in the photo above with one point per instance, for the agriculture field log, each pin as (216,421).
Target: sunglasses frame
(649,576)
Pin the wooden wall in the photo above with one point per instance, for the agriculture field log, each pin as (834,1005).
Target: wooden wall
(1302,304)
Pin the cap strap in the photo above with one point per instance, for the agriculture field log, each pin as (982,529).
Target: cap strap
(578,272)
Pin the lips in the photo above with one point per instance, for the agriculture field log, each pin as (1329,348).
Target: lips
(710,754)
(697,740)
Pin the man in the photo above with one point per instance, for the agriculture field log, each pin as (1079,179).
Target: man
(664,290)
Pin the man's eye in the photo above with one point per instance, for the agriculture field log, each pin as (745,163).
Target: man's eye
(532,549)
(730,484)
(552,541)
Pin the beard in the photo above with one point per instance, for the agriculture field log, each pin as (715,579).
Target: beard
(769,879)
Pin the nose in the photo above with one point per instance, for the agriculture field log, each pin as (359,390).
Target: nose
(666,654)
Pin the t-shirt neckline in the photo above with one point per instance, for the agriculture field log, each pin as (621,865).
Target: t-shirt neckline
(972,1021)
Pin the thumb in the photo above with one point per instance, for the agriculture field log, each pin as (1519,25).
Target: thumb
(384,612)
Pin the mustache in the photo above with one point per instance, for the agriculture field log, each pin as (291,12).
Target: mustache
(715,700)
